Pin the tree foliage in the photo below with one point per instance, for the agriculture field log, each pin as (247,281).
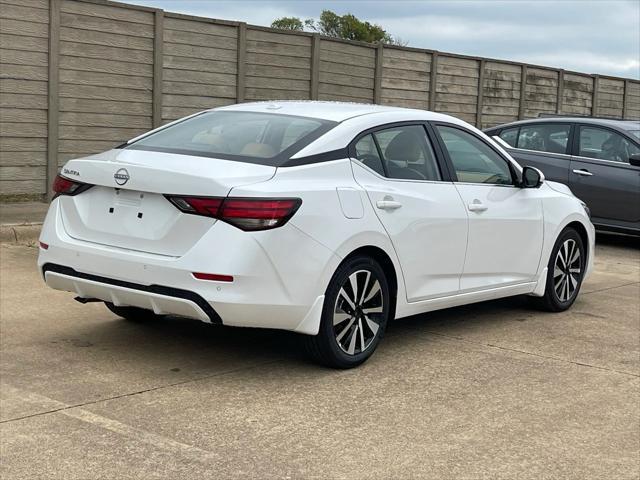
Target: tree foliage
(346,26)
(288,23)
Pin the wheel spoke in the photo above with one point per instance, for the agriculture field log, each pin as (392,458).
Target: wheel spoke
(344,295)
(374,290)
(557,271)
(574,283)
(364,287)
(372,310)
(352,343)
(353,278)
(576,255)
(574,270)
(373,326)
(339,317)
(361,330)
(346,329)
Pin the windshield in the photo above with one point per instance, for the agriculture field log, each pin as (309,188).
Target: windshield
(265,138)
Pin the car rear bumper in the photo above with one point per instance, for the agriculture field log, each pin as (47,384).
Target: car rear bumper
(279,276)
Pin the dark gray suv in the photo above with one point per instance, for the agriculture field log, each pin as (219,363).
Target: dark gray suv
(599,159)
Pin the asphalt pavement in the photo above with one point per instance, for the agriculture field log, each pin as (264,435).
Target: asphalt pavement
(491,390)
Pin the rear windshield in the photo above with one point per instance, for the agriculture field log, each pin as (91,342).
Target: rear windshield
(264,138)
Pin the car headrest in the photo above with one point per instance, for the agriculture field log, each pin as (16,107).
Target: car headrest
(262,150)
(404,147)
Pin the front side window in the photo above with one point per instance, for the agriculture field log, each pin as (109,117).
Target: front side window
(546,137)
(242,136)
(473,160)
(407,153)
(605,144)
(510,135)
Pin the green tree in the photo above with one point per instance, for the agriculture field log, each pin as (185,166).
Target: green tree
(288,23)
(346,26)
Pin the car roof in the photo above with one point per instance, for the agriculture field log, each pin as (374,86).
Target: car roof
(618,124)
(333,111)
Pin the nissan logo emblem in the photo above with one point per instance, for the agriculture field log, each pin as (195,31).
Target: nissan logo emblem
(121,176)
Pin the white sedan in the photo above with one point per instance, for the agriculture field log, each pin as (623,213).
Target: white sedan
(327,219)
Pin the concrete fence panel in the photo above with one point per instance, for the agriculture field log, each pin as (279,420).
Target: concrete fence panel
(80,76)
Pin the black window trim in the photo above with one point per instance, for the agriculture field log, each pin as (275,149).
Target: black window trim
(575,146)
(515,174)
(445,174)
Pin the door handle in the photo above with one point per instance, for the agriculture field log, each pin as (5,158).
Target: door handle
(388,204)
(583,172)
(477,206)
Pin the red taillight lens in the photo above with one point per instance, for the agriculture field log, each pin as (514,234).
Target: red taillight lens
(249,214)
(64,186)
(214,277)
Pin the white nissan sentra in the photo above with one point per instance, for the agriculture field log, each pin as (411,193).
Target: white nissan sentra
(327,219)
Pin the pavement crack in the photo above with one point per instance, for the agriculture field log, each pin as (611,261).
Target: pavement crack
(524,352)
(64,407)
(610,288)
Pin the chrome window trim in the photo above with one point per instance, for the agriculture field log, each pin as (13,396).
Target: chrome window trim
(598,160)
(389,179)
(541,152)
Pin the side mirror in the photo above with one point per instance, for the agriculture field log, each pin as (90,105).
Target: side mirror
(531,177)
(635,159)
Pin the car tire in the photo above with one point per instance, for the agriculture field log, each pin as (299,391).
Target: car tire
(354,316)
(563,280)
(133,314)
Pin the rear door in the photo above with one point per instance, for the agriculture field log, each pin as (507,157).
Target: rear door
(418,206)
(505,221)
(602,177)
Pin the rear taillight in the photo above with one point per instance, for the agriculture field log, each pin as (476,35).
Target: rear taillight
(64,186)
(249,214)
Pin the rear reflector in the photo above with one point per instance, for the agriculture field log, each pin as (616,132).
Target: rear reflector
(214,277)
(64,186)
(249,214)
(43,246)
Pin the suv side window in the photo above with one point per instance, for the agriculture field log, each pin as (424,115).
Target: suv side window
(605,144)
(407,153)
(367,153)
(510,135)
(473,160)
(546,137)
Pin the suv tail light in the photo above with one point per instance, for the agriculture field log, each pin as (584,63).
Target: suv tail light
(249,214)
(64,186)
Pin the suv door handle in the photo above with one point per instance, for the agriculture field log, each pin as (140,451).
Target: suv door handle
(583,172)
(388,204)
(477,206)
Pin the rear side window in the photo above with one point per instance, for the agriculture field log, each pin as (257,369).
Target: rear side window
(549,137)
(367,153)
(510,135)
(407,153)
(242,136)
(473,160)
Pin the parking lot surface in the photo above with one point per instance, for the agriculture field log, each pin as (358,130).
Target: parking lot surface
(491,390)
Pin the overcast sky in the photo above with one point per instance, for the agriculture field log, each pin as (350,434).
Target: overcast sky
(591,36)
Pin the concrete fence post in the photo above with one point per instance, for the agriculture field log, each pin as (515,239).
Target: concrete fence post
(596,95)
(53,104)
(242,62)
(158,42)
(433,81)
(523,92)
(377,78)
(480,93)
(315,67)
(560,93)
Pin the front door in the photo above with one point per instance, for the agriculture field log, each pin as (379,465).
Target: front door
(422,214)
(505,221)
(601,176)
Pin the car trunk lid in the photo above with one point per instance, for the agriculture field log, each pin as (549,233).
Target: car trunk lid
(127,207)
